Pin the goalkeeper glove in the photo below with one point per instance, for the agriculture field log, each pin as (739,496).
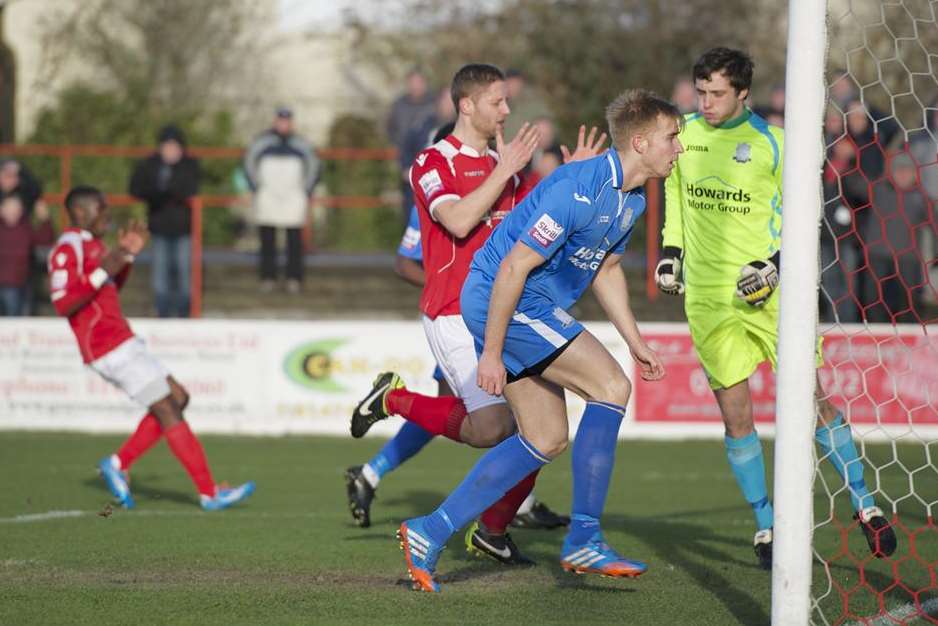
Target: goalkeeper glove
(757,281)
(668,270)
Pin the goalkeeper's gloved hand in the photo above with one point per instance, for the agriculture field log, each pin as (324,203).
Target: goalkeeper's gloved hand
(668,272)
(757,281)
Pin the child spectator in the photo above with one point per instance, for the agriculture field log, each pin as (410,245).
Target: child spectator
(18,238)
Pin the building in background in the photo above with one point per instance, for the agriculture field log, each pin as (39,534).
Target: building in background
(308,62)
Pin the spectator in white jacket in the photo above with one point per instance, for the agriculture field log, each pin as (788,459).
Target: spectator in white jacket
(282,170)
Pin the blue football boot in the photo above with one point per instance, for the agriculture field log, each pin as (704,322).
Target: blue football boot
(224,498)
(116,481)
(597,557)
(420,553)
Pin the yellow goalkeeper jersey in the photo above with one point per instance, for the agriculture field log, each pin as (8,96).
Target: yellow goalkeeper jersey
(723,199)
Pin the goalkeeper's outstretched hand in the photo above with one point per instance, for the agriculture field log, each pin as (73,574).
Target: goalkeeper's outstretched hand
(757,281)
(668,272)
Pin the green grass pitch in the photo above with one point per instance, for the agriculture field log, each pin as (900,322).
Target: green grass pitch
(291,554)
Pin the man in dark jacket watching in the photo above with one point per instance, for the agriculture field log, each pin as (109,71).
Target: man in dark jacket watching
(166,180)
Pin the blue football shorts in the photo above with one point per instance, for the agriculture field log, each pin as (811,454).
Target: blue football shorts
(538,330)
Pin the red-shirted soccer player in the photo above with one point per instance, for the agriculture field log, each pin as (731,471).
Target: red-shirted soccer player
(462,190)
(84,281)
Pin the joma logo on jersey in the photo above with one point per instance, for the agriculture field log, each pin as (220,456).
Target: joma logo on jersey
(692,148)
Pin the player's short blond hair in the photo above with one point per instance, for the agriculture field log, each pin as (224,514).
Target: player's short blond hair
(633,111)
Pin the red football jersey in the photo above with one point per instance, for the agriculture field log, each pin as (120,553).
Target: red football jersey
(99,325)
(447,171)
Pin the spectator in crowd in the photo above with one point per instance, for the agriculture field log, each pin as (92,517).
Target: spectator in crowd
(899,210)
(547,141)
(549,160)
(525,101)
(420,135)
(282,170)
(774,111)
(16,179)
(777,99)
(923,146)
(857,182)
(684,95)
(167,180)
(840,251)
(410,113)
(18,238)
(844,93)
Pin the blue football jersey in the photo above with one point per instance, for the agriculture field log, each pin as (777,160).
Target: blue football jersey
(410,243)
(574,219)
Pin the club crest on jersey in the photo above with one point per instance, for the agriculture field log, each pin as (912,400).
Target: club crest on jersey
(431,183)
(743,153)
(545,231)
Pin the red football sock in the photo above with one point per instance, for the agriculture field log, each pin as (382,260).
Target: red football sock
(439,416)
(189,451)
(495,519)
(148,432)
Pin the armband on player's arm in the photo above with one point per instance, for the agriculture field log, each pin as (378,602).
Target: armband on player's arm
(758,280)
(70,291)
(668,271)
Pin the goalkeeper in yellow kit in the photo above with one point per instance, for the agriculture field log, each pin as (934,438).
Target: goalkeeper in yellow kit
(721,248)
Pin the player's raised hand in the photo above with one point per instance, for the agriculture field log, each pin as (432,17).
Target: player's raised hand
(650,366)
(492,377)
(586,147)
(515,155)
(133,238)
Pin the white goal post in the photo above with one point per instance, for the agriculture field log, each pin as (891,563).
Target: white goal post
(795,406)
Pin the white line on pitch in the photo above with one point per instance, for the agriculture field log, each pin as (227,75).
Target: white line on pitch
(53,515)
(901,614)
(40,517)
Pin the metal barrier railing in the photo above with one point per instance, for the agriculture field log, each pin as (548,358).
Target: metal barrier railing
(67,153)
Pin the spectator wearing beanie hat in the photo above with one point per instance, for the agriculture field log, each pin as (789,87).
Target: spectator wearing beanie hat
(166,180)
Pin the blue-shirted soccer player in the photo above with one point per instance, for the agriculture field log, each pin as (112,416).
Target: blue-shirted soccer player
(361,481)
(568,233)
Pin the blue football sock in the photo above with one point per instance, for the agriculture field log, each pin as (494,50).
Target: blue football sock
(408,441)
(745,457)
(594,454)
(499,469)
(837,445)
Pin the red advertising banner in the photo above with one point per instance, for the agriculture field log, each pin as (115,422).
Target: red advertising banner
(875,377)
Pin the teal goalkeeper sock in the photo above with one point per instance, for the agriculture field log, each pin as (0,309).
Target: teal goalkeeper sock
(745,457)
(837,445)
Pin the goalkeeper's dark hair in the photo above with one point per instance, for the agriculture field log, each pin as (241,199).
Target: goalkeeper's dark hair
(635,111)
(470,78)
(81,196)
(736,64)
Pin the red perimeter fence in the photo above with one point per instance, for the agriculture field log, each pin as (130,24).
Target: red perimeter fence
(67,153)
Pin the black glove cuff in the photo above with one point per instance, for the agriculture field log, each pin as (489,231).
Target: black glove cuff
(671,251)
